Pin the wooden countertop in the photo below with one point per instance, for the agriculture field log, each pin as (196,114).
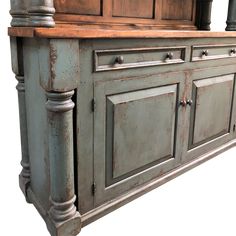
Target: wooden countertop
(82,32)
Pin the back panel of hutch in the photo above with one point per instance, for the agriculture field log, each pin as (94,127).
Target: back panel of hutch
(117,97)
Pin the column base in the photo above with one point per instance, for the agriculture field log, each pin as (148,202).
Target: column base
(39,21)
(19,18)
(231,27)
(70,227)
(19,22)
(41,16)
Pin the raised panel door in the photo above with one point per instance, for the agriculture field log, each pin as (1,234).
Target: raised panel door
(136,132)
(211,119)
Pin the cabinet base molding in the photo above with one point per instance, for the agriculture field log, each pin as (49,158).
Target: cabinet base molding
(68,227)
(59,230)
(124,199)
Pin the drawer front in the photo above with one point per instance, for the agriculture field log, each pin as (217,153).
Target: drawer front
(117,59)
(213,52)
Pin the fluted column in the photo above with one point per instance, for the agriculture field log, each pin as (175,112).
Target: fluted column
(19,12)
(65,220)
(41,13)
(204,14)
(231,19)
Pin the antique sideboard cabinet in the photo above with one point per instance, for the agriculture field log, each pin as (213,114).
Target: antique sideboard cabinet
(117,97)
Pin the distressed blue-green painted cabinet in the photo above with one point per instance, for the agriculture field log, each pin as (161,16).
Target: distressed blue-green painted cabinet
(107,115)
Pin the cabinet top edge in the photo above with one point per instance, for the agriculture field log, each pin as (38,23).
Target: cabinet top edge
(83,33)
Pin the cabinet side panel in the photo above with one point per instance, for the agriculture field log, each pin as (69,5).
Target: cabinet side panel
(37,124)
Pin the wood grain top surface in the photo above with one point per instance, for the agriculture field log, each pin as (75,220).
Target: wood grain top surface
(82,32)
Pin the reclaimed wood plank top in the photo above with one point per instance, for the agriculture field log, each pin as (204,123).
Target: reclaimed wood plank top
(82,32)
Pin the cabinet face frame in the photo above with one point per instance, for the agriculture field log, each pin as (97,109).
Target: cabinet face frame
(194,150)
(107,189)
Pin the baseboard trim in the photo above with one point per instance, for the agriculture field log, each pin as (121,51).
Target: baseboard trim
(110,206)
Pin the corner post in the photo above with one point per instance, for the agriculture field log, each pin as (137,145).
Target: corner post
(204,14)
(41,13)
(17,67)
(231,19)
(59,78)
(19,13)
(64,218)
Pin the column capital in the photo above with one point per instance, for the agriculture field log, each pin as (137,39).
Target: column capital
(59,102)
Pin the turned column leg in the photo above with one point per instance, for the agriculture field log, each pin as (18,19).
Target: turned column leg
(24,178)
(204,14)
(65,220)
(231,19)
(41,13)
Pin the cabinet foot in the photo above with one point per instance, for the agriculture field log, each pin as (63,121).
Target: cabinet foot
(69,227)
(24,186)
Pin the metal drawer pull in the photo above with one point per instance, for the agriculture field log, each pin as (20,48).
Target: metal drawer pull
(190,102)
(169,56)
(120,60)
(233,51)
(205,53)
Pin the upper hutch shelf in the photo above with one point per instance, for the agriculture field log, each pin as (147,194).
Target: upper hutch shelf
(168,14)
(115,14)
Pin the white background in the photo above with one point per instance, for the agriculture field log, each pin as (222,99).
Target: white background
(200,202)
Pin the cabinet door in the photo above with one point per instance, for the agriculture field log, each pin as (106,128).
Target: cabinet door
(136,132)
(211,123)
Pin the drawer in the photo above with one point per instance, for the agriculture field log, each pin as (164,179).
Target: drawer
(213,52)
(117,59)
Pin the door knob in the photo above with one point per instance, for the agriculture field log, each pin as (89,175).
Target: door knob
(183,103)
(190,102)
